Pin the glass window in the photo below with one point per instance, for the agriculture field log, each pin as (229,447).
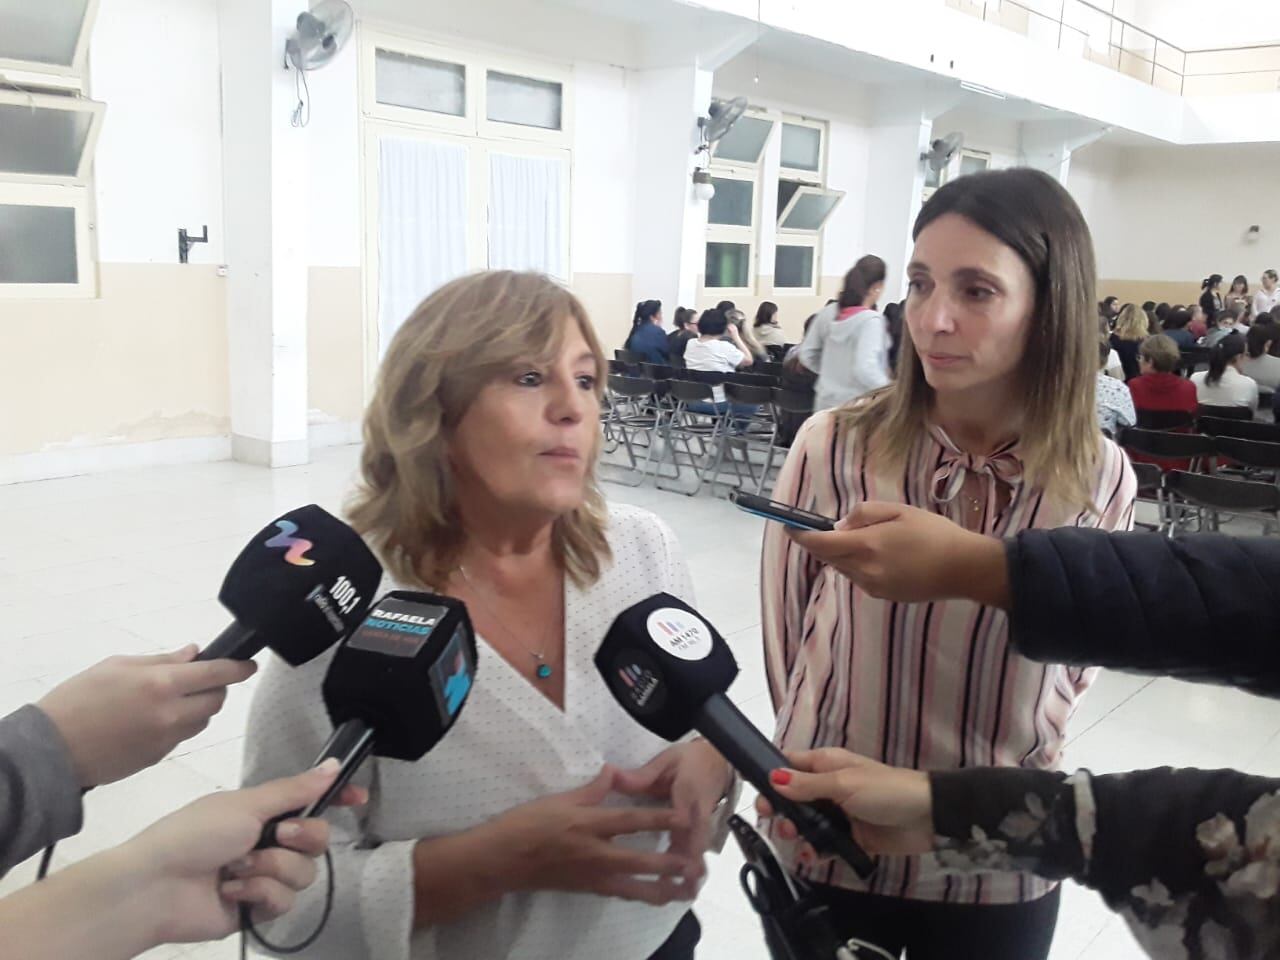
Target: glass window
(728,265)
(41,140)
(793,267)
(786,190)
(973,163)
(732,203)
(810,209)
(37,244)
(524,101)
(801,147)
(745,140)
(43,33)
(402,80)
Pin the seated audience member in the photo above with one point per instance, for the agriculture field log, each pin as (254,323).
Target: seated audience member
(1160,387)
(1162,313)
(1113,400)
(1153,322)
(1130,331)
(713,353)
(1267,300)
(791,362)
(738,320)
(766,327)
(1259,365)
(547,823)
(1239,294)
(679,338)
(1175,328)
(647,337)
(1223,326)
(1108,310)
(893,314)
(1198,325)
(1223,385)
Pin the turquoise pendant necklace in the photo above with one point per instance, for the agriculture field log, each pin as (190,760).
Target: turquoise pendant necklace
(543,671)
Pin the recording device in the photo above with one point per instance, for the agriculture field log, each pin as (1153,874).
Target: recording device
(301,585)
(395,687)
(670,669)
(782,513)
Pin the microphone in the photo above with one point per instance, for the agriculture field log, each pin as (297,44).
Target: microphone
(301,585)
(670,669)
(395,687)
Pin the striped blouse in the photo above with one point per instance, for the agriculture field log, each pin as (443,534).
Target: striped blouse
(923,685)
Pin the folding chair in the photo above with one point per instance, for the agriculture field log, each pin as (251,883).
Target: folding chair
(685,428)
(791,408)
(746,435)
(633,423)
(628,356)
(1203,497)
(1224,413)
(1151,490)
(1170,450)
(1245,429)
(1256,459)
(1164,419)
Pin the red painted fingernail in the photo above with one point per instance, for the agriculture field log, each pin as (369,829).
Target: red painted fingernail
(780,777)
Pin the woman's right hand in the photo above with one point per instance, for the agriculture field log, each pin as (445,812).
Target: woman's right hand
(566,842)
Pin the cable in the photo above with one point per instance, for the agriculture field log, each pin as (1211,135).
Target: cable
(45,861)
(247,929)
(302,112)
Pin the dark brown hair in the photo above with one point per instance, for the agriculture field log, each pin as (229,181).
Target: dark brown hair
(862,276)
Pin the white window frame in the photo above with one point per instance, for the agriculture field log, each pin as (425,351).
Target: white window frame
(75,196)
(477,64)
(972,155)
(799,173)
(42,101)
(799,239)
(77,65)
(728,233)
(754,114)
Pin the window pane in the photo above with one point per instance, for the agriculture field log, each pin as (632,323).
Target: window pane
(41,32)
(727,264)
(786,190)
(42,141)
(801,147)
(732,203)
(810,211)
(972,164)
(745,140)
(522,100)
(419,84)
(793,267)
(37,244)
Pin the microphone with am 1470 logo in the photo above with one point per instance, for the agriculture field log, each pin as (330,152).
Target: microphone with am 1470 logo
(670,670)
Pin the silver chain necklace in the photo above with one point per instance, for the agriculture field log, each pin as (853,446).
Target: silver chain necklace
(543,671)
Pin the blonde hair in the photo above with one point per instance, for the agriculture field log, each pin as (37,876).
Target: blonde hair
(456,342)
(1133,323)
(1060,444)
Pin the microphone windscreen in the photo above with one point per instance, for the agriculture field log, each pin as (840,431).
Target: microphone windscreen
(303,583)
(406,671)
(662,661)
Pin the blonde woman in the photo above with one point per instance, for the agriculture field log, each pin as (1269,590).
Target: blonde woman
(1131,329)
(539,827)
(990,423)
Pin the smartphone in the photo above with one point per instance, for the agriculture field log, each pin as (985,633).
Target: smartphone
(781,512)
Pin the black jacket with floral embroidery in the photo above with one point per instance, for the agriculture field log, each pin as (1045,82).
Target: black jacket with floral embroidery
(1190,858)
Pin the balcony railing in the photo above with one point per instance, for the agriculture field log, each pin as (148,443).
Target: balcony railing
(1079,28)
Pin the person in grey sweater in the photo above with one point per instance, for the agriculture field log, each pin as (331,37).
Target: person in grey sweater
(102,725)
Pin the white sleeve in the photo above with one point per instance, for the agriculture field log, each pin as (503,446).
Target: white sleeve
(1126,415)
(1252,392)
(372,913)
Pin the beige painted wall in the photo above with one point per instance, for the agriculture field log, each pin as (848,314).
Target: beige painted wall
(607,297)
(1167,291)
(147,360)
(335,343)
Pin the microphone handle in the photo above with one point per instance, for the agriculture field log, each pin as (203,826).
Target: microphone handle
(751,753)
(351,743)
(235,642)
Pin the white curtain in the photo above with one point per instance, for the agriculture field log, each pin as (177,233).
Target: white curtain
(526,214)
(422,226)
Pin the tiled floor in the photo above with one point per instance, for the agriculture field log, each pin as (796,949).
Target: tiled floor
(131,562)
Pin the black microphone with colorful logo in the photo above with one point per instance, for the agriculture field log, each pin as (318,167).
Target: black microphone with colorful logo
(301,585)
(670,670)
(396,686)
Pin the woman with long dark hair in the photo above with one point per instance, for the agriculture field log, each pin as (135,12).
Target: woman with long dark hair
(848,344)
(990,422)
(679,338)
(767,329)
(647,337)
(1211,297)
(1239,293)
(1223,385)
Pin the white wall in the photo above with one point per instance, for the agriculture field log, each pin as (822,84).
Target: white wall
(606,161)
(1180,213)
(158,165)
(333,149)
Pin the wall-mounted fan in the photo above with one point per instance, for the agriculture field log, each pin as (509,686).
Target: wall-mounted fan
(941,151)
(721,116)
(318,36)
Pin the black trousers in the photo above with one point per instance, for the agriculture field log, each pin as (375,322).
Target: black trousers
(945,931)
(683,940)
